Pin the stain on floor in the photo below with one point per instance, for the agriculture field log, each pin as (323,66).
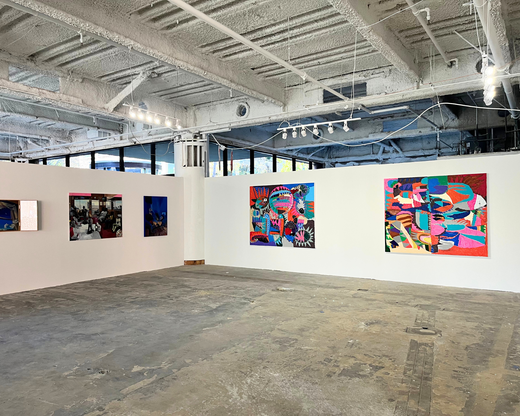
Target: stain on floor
(207,340)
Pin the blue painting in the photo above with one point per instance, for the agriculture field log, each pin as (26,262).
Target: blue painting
(282,215)
(9,215)
(155,216)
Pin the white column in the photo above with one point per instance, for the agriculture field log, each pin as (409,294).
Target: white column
(190,166)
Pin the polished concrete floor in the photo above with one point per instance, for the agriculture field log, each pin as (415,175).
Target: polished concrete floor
(205,340)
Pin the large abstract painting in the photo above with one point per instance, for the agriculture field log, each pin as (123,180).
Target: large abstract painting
(95,216)
(282,215)
(437,215)
(9,215)
(155,216)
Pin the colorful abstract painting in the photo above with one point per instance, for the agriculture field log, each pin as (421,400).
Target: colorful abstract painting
(9,215)
(282,215)
(155,216)
(95,216)
(437,215)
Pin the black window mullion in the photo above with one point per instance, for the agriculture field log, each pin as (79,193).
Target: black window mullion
(92,160)
(121,159)
(252,162)
(153,157)
(274,163)
(225,161)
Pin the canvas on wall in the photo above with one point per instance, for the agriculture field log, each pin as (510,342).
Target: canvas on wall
(9,215)
(95,216)
(444,215)
(155,216)
(18,215)
(282,215)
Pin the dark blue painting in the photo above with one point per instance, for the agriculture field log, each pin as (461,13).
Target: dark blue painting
(155,216)
(9,215)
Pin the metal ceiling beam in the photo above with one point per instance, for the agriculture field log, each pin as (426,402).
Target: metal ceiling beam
(108,26)
(23,108)
(224,29)
(378,34)
(114,102)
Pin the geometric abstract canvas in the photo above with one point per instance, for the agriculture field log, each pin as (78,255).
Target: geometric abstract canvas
(155,216)
(444,215)
(282,215)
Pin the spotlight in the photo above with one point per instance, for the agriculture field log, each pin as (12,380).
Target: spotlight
(316,131)
(149,118)
(489,81)
(140,115)
(168,122)
(345,126)
(132,113)
(294,133)
(330,128)
(179,127)
(157,120)
(490,71)
(284,134)
(304,132)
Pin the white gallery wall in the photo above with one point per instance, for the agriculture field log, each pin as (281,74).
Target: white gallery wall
(32,260)
(350,225)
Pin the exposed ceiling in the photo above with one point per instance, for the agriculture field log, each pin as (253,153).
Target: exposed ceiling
(61,63)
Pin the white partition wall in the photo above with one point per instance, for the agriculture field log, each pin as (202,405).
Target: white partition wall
(349,225)
(36,259)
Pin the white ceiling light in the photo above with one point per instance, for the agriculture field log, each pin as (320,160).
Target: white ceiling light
(345,126)
(284,134)
(140,115)
(149,118)
(316,131)
(132,113)
(157,120)
(304,132)
(330,128)
(294,133)
(168,122)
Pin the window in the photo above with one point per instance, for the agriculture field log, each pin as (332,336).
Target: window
(239,162)
(164,158)
(81,161)
(108,159)
(263,163)
(283,164)
(138,159)
(216,161)
(56,161)
(300,165)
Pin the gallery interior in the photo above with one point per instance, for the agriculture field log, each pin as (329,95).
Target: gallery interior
(259,207)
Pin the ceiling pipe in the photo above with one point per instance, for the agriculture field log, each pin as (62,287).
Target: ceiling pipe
(498,55)
(424,24)
(226,30)
(403,107)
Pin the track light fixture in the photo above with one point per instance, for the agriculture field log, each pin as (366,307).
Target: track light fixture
(330,128)
(295,133)
(345,126)
(284,134)
(316,131)
(152,118)
(304,132)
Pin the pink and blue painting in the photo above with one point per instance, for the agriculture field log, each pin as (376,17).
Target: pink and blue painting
(282,216)
(442,215)
(155,216)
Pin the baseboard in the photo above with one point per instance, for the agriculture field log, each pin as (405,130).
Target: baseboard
(194,262)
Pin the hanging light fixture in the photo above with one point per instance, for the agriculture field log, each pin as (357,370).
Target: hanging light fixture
(168,122)
(295,133)
(345,126)
(304,132)
(488,72)
(284,134)
(140,115)
(330,128)
(157,120)
(132,113)
(149,118)
(316,131)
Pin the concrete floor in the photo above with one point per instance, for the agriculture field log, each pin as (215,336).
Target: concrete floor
(205,340)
